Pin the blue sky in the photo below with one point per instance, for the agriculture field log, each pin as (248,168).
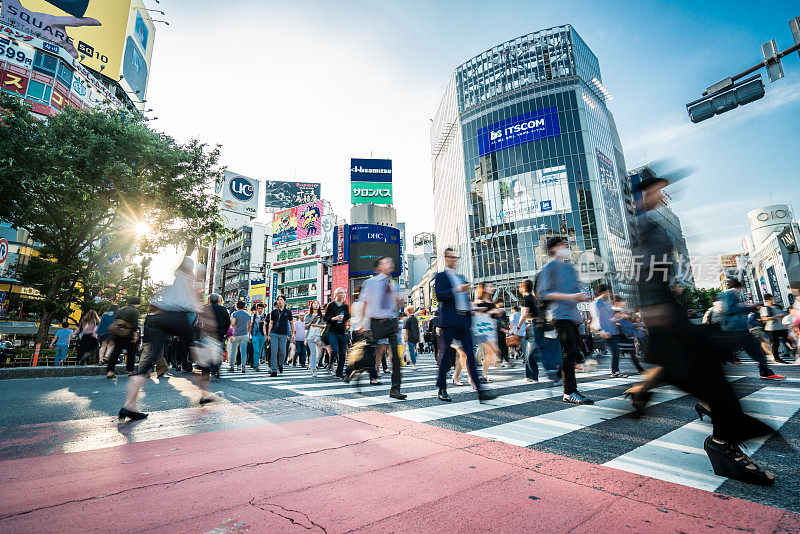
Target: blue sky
(296,89)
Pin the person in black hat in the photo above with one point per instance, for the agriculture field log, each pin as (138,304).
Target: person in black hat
(687,355)
(558,286)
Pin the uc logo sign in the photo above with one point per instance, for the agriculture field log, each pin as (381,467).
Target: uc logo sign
(241,188)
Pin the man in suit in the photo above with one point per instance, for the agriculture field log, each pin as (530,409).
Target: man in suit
(223,321)
(455,310)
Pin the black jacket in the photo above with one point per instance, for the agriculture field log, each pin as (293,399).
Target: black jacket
(223,320)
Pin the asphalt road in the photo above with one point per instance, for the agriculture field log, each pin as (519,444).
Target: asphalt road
(46,416)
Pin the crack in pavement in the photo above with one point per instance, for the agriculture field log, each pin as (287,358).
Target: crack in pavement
(291,519)
(199,475)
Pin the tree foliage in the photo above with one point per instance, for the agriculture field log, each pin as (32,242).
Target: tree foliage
(698,298)
(80,181)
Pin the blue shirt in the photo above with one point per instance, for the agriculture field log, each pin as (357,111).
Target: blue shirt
(559,277)
(734,313)
(380,301)
(62,337)
(105,321)
(603,317)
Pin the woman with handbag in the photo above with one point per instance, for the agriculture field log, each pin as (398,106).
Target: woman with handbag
(315,324)
(89,339)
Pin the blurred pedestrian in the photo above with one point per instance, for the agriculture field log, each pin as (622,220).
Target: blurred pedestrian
(381,304)
(557,284)
(222,319)
(773,325)
(171,308)
(124,336)
(455,323)
(258,331)
(411,335)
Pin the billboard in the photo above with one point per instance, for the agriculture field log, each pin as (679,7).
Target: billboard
(284,226)
(94,31)
(609,188)
(307,251)
(363,256)
(370,170)
(296,223)
(309,219)
(258,290)
(374,192)
(138,51)
(368,242)
(287,194)
(527,195)
(518,130)
(239,194)
(370,181)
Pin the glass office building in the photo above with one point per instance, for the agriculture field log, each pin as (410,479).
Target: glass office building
(524,148)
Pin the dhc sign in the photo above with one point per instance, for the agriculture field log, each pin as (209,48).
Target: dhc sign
(518,130)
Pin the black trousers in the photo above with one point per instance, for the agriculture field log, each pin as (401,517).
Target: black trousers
(158,329)
(463,333)
(384,329)
(120,344)
(775,338)
(570,353)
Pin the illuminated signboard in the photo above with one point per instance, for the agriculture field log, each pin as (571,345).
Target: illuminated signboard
(518,130)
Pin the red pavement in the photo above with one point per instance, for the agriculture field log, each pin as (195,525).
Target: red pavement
(364,472)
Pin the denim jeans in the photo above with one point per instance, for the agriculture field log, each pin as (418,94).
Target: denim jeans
(313,353)
(237,344)
(612,343)
(277,343)
(412,352)
(338,351)
(532,355)
(300,353)
(61,353)
(258,349)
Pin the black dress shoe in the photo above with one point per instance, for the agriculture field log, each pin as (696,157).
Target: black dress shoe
(443,396)
(395,394)
(133,416)
(485,395)
(280,370)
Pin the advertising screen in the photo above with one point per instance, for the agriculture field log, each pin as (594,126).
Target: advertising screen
(370,170)
(288,194)
(374,192)
(94,29)
(240,194)
(609,188)
(284,226)
(309,219)
(364,254)
(518,130)
(527,195)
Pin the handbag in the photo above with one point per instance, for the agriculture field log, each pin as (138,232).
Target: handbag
(512,340)
(207,352)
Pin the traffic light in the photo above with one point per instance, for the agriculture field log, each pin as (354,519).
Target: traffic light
(727,99)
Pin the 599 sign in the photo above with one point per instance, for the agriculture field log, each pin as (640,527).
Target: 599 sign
(15,55)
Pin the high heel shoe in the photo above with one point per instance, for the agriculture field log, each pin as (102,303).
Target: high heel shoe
(702,410)
(133,416)
(729,461)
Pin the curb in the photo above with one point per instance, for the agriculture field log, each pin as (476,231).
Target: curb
(10,373)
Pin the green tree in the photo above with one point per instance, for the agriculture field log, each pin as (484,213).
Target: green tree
(698,298)
(79,183)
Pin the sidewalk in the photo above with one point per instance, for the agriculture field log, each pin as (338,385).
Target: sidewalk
(51,371)
(365,472)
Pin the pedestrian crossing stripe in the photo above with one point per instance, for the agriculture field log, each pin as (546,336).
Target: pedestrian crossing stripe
(678,456)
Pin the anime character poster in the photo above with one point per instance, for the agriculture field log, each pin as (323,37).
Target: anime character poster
(309,219)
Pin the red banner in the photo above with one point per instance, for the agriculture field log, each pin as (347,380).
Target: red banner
(340,275)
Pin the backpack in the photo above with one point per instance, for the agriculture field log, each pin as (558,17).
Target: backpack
(120,328)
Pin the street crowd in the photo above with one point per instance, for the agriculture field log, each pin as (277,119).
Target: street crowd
(471,331)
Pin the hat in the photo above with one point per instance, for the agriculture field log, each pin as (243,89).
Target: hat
(649,179)
(555,241)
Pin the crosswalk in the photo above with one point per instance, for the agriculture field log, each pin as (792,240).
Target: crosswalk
(532,415)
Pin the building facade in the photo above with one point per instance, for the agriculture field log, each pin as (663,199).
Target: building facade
(237,259)
(524,148)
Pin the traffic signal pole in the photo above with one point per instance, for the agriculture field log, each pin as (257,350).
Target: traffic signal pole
(730,93)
